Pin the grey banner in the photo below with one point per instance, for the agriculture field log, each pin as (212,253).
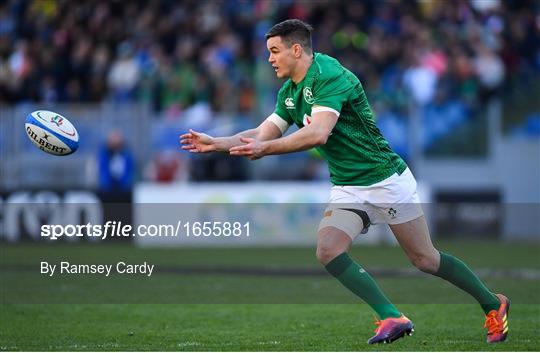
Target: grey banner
(248,253)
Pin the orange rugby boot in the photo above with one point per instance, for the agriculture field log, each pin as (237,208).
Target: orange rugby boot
(391,329)
(497,321)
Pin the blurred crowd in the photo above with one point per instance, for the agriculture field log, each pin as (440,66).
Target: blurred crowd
(177,55)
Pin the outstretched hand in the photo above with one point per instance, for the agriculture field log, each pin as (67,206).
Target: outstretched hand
(252,149)
(197,142)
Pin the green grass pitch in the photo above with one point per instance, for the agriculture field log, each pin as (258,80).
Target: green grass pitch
(216,310)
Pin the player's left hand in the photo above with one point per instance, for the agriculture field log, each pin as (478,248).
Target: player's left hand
(253,149)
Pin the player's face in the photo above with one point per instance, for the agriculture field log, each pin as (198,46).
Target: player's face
(281,57)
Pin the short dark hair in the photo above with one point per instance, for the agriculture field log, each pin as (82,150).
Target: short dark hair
(291,32)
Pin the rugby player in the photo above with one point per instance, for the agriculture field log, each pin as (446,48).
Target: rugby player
(371,183)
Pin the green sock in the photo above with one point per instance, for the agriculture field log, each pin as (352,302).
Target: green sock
(358,281)
(456,272)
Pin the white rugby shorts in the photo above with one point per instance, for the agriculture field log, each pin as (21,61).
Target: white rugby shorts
(393,200)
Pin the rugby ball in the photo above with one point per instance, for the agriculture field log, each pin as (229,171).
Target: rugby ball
(51,132)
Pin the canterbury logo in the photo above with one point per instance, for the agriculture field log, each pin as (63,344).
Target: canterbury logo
(289,103)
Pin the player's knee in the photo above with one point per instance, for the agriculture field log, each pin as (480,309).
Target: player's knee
(425,263)
(326,253)
(329,248)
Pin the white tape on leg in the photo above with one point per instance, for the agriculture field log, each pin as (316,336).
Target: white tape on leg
(346,221)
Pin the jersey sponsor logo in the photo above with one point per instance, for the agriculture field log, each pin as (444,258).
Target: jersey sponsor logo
(307,120)
(289,104)
(308,95)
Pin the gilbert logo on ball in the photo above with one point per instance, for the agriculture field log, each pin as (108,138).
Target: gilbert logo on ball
(51,132)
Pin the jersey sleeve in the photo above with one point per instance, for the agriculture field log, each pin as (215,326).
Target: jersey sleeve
(330,94)
(281,110)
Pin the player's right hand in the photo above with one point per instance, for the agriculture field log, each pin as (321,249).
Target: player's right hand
(197,142)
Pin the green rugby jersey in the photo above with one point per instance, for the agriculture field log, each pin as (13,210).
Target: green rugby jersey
(356,151)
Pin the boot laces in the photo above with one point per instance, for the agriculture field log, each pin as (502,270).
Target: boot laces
(492,323)
(378,323)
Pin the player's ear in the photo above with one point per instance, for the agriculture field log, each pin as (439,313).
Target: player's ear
(297,50)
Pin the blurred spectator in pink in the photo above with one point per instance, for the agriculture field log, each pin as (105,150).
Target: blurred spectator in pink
(166,167)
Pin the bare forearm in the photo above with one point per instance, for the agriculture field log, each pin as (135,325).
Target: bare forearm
(223,144)
(301,140)
(312,135)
